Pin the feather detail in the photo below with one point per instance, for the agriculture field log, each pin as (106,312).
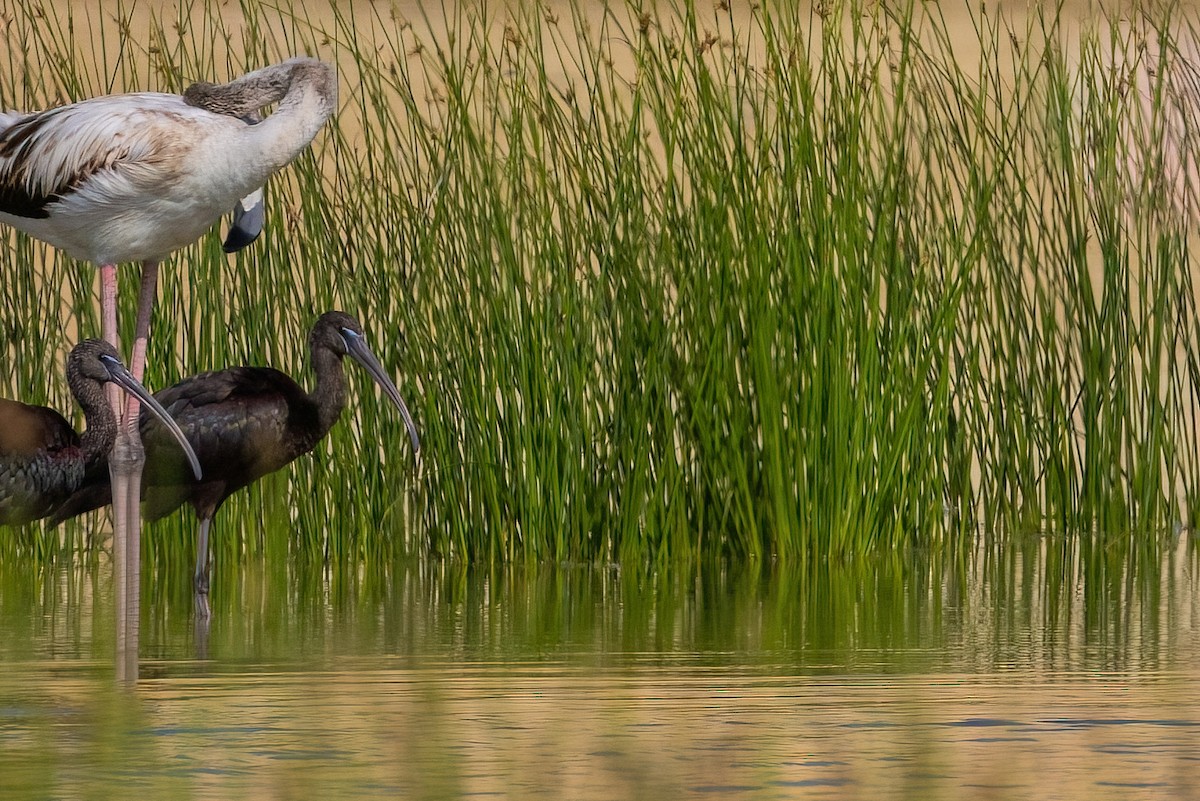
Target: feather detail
(134,177)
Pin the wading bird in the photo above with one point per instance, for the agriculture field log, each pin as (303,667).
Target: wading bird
(43,460)
(244,422)
(134,177)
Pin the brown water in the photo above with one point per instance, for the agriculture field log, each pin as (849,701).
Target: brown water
(893,679)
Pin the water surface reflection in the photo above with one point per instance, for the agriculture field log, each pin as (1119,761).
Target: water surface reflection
(997,676)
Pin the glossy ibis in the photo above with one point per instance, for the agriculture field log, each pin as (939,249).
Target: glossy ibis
(43,460)
(244,423)
(134,177)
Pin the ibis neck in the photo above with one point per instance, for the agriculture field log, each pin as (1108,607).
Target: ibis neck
(101,432)
(330,392)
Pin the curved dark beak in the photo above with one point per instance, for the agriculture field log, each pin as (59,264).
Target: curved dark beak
(358,349)
(249,217)
(124,379)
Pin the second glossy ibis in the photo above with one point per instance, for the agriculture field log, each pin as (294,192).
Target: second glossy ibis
(244,422)
(42,458)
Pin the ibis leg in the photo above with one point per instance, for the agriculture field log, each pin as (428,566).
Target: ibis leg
(200,579)
(201,626)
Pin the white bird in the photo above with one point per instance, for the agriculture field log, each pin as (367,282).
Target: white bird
(134,177)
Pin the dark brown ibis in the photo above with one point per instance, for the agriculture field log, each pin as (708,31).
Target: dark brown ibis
(244,422)
(43,460)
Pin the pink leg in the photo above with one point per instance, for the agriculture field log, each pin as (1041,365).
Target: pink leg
(141,334)
(108,323)
(126,656)
(131,460)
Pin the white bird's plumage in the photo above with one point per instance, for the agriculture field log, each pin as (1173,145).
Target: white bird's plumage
(134,177)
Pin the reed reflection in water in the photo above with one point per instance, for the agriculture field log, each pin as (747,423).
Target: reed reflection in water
(1000,675)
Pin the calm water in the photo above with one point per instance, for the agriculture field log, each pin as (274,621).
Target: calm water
(1031,675)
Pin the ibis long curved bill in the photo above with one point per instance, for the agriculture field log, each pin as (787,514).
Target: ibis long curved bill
(358,350)
(126,381)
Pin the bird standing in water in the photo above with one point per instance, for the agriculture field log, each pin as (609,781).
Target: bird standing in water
(134,177)
(244,422)
(43,460)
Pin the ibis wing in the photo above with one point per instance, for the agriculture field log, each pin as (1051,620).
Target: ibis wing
(238,422)
(25,430)
(235,420)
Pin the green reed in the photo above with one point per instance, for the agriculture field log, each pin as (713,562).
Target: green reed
(673,282)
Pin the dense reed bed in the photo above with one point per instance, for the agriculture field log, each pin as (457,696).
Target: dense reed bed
(682,280)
